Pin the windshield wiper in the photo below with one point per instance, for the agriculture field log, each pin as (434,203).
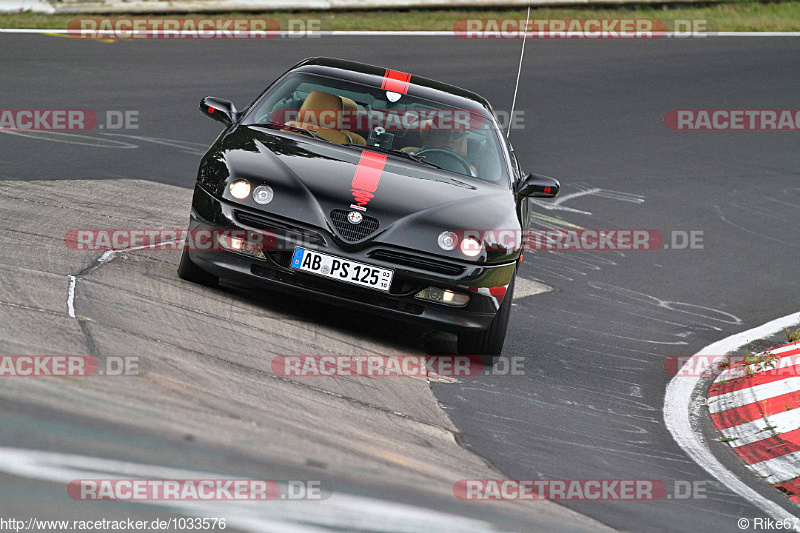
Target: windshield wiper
(290,127)
(400,153)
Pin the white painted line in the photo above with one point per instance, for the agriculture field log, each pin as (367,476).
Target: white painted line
(70,138)
(259,35)
(340,512)
(785,361)
(741,397)
(71,297)
(389,33)
(110,253)
(102,259)
(779,469)
(681,412)
(588,191)
(757,34)
(438,33)
(757,430)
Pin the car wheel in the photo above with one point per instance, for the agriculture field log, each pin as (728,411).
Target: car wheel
(190,272)
(488,344)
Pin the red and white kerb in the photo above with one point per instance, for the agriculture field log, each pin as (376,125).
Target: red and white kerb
(755,408)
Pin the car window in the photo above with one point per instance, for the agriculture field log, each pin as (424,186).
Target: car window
(459,140)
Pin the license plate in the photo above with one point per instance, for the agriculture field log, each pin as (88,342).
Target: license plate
(342,269)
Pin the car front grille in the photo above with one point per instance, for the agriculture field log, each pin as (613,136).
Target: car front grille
(418,261)
(353,232)
(279,227)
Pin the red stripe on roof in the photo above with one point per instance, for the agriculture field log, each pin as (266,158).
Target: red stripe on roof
(396,81)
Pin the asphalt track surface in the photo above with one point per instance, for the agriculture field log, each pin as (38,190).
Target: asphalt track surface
(589,404)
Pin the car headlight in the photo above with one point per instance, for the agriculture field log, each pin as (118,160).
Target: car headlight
(448,240)
(263,194)
(239,189)
(470,247)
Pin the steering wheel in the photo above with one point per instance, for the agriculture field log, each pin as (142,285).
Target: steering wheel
(452,156)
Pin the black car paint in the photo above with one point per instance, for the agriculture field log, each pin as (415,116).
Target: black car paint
(414,204)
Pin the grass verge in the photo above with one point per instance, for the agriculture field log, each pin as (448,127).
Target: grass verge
(738,16)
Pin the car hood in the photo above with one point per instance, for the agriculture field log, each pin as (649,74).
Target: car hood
(311,178)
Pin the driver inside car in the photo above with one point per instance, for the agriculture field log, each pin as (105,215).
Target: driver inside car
(451,139)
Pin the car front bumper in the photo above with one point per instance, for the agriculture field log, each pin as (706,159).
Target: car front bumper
(273,272)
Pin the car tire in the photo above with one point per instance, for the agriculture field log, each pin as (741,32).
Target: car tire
(191,272)
(489,343)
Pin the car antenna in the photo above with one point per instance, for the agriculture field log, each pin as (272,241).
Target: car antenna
(519,71)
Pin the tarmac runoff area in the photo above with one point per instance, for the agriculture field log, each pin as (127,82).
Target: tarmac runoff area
(205,398)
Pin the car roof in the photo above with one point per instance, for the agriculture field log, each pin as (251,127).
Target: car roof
(373,75)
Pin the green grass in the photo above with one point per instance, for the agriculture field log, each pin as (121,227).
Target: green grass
(738,16)
(765,361)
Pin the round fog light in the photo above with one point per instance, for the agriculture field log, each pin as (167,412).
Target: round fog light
(443,296)
(448,240)
(240,189)
(470,247)
(263,194)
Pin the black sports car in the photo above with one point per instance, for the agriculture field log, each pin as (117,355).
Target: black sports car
(373,187)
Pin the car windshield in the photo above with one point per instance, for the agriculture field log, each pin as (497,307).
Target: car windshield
(352,114)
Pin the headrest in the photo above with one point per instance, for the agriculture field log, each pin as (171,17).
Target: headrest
(326,110)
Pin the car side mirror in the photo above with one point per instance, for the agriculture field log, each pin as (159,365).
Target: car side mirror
(220,110)
(538,186)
